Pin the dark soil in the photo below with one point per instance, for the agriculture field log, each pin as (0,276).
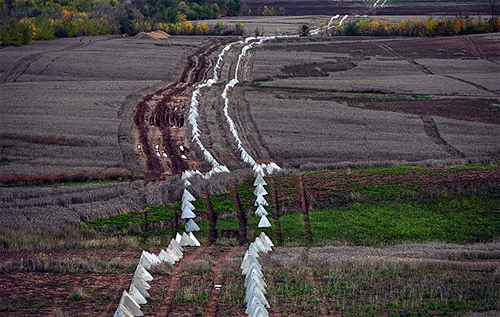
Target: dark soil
(477,46)
(159,117)
(40,293)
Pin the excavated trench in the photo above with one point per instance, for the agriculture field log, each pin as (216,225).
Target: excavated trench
(160,116)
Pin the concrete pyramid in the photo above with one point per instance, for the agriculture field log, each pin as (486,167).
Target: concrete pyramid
(142,286)
(187,241)
(247,258)
(264,223)
(191,226)
(249,265)
(170,258)
(145,261)
(187,213)
(263,247)
(170,252)
(250,291)
(261,201)
(259,180)
(257,292)
(262,235)
(153,258)
(187,196)
(260,190)
(122,311)
(130,304)
(265,244)
(254,306)
(178,238)
(137,295)
(261,211)
(196,242)
(141,272)
(175,247)
(187,204)
(272,168)
(186,183)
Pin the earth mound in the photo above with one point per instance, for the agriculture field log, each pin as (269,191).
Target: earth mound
(152,35)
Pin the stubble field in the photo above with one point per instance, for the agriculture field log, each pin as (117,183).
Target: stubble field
(382,242)
(364,100)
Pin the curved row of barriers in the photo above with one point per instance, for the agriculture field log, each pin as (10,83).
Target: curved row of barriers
(129,305)
(255,283)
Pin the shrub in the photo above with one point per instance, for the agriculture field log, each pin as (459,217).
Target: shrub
(15,32)
(218,28)
(202,28)
(239,28)
(442,27)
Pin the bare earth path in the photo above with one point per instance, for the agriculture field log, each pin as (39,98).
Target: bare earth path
(212,306)
(159,118)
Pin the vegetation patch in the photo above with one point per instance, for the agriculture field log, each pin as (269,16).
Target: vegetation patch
(415,27)
(393,290)
(317,69)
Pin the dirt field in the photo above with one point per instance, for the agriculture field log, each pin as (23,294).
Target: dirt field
(187,288)
(373,99)
(362,7)
(76,99)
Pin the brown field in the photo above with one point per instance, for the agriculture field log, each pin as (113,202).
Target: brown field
(77,96)
(77,108)
(362,7)
(401,100)
(300,281)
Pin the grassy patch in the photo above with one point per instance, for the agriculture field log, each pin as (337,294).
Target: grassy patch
(454,219)
(363,289)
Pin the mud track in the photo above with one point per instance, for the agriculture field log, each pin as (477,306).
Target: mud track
(160,116)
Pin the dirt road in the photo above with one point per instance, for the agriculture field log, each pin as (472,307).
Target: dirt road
(160,116)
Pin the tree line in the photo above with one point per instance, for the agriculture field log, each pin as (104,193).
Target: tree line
(22,21)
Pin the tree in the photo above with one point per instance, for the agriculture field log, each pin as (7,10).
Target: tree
(245,10)
(239,28)
(202,28)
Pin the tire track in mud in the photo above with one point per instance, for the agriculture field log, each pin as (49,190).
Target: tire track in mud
(22,65)
(473,84)
(392,52)
(159,117)
(167,304)
(212,307)
(432,132)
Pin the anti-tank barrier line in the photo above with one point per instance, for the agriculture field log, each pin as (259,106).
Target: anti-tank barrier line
(244,155)
(193,112)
